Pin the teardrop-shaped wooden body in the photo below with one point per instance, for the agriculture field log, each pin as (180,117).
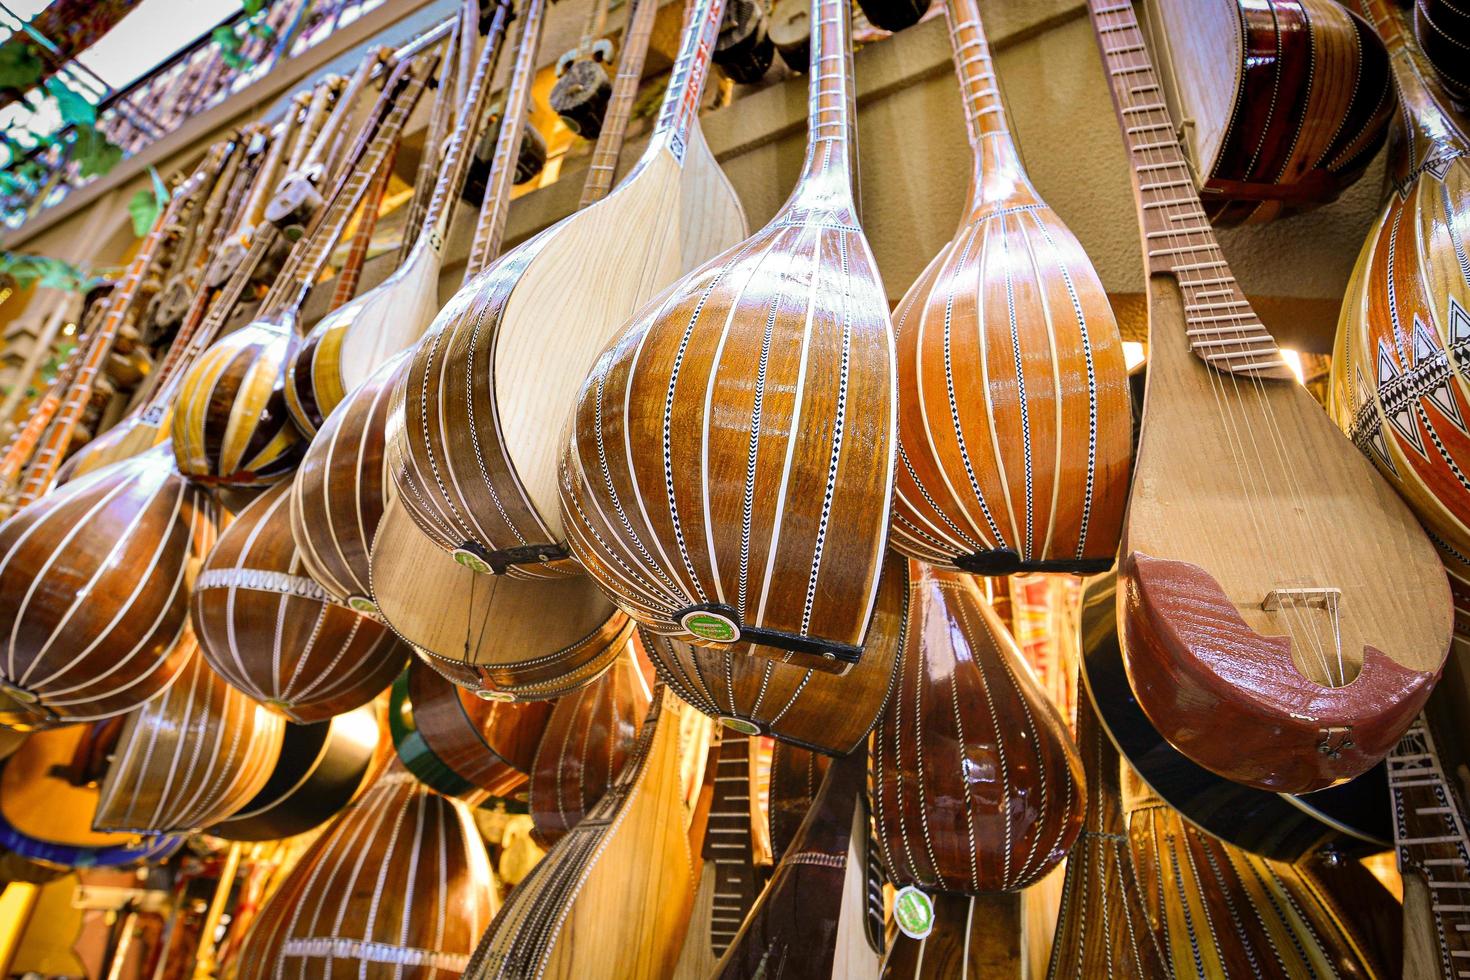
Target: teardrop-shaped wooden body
(94,581)
(277,635)
(461,745)
(190,758)
(337,496)
(398,886)
(796,776)
(1400,387)
(612,898)
(730,466)
(588,739)
(1221,911)
(977,786)
(1235,64)
(1103,928)
(761,695)
(1014,423)
(974,937)
(504,636)
(230,424)
(808,923)
(349,344)
(319,770)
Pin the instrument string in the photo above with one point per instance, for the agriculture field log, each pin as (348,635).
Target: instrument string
(1188,259)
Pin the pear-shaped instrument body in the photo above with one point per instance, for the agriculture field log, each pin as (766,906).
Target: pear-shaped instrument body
(730,468)
(190,758)
(1015,428)
(276,634)
(588,738)
(399,885)
(230,424)
(977,786)
(756,692)
(337,497)
(94,589)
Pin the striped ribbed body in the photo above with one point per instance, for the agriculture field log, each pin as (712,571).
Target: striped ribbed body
(796,775)
(612,898)
(730,466)
(1220,911)
(94,581)
(589,737)
(190,758)
(1443,30)
(230,424)
(1103,929)
(977,786)
(974,938)
(760,694)
(1315,57)
(1014,423)
(460,745)
(337,496)
(275,634)
(399,886)
(1400,385)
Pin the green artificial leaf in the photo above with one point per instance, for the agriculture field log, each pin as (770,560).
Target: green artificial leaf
(20,67)
(57,274)
(94,153)
(148,204)
(75,109)
(225,38)
(252,7)
(263,31)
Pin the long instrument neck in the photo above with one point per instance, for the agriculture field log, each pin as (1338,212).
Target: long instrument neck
(605,155)
(490,229)
(680,111)
(1430,136)
(827,174)
(1223,330)
(727,842)
(998,173)
(344,287)
(455,165)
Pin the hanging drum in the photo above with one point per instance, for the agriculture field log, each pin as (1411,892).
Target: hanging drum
(582,89)
(275,634)
(94,581)
(977,786)
(744,50)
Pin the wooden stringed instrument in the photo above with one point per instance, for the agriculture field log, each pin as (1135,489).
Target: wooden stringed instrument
(622,875)
(729,880)
(1349,818)
(758,693)
(275,634)
(348,344)
(1443,30)
(586,740)
(1433,856)
(398,885)
(977,786)
(460,745)
(763,513)
(189,758)
(1014,424)
(1399,388)
(796,776)
(812,919)
(320,769)
(1221,911)
(1103,927)
(1244,606)
(973,937)
(490,387)
(231,426)
(430,599)
(48,794)
(1234,65)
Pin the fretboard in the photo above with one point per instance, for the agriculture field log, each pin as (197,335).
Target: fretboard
(830,98)
(604,165)
(1222,328)
(1429,837)
(727,842)
(686,81)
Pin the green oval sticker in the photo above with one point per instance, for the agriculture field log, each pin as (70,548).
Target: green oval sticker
(363,604)
(485,694)
(740,725)
(710,626)
(471,561)
(914,912)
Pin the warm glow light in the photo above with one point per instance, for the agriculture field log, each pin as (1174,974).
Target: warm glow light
(1133,354)
(1294,363)
(69,329)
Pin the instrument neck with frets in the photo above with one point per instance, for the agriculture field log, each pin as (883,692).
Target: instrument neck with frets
(680,110)
(998,172)
(829,171)
(727,842)
(1433,855)
(604,164)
